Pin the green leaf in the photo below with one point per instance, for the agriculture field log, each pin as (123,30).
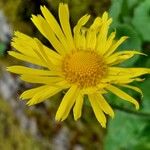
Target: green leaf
(116,5)
(127,132)
(132,4)
(146,99)
(141,19)
(134,41)
(2,49)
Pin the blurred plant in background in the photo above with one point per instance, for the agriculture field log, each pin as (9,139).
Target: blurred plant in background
(132,18)
(34,128)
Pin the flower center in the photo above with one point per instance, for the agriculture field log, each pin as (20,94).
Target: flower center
(85,68)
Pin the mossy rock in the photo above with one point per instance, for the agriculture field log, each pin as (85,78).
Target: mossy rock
(11,136)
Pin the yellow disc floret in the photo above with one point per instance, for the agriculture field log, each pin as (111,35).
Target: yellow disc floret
(85,68)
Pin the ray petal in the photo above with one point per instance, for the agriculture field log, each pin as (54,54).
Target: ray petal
(104,105)
(133,88)
(46,30)
(97,110)
(91,39)
(43,95)
(81,40)
(40,79)
(77,29)
(55,27)
(31,92)
(115,46)
(102,37)
(67,103)
(31,71)
(122,95)
(119,57)
(27,58)
(65,24)
(128,72)
(27,46)
(109,41)
(105,16)
(96,24)
(77,110)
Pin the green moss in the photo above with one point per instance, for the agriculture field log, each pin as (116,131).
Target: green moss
(11,136)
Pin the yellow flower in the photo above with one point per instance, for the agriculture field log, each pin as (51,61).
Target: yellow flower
(83,64)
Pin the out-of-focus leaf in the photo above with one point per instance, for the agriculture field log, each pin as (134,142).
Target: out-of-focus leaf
(133,3)
(144,143)
(123,13)
(127,132)
(116,5)
(124,9)
(2,49)
(122,23)
(146,99)
(141,19)
(117,101)
(134,42)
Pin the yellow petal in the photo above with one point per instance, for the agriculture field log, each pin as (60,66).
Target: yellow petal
(119,57)
(77,29)
(43,95)
(133,88)
(43,56)
(91,35)
(127,72)
(31,71)
(96,24)
(89,90)
(81,40)
(102,37)
(122,95)
(27,58)
(23,44)
(55,27)
(120,80)
(104,105)
(27,46)
(91,39)
(109,41)
(115,45)
(67,103)
(40,79)
(105,16)
(77,110)
(97,110)
(31,92)
(65,24)
(46,30)
(63,83)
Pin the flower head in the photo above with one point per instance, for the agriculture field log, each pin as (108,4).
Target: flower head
(83,63)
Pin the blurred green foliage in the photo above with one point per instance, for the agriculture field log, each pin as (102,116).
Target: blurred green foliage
(132,18)
(141,20)
(2,49)
(123,22)
(130,130)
